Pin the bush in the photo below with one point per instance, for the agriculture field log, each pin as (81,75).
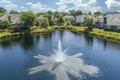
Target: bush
(16,28)
(37,23)
(5,24)
(60,20)
(89,22)
(67,23)
(45,22)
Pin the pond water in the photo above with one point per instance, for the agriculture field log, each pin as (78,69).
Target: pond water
(16,55)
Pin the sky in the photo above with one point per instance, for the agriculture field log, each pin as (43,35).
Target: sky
(61,5)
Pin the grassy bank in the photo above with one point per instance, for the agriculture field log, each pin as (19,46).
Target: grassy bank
(77,29)
(108,35)
(11,33)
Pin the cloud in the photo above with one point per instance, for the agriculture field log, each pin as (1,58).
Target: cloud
(5,1)
(113,5)
(9,5)
(63,5)
(62,2)
(85,5)
(38,7)
(63,8)
(12,6)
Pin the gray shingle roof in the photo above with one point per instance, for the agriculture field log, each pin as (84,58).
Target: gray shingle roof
(15,18)
(81,18)
(69,17)
(40,17)
(100,18)
(113,19)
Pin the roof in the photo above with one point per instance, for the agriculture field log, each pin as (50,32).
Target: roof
(40,17)
(100,18)
(15,18)
(113,19)
(16,21)
(81,18)
(69,17)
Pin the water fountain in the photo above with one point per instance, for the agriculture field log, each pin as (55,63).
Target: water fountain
(60,64)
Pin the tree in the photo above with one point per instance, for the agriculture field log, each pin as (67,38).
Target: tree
(40,13)
(50,19)
(52,22)
(89,13)
(89,22)
(98,13)
(56,14)
(50,12)
(79,12)
(37,23)
(75,13)
(67,23)
(45,22)
(29,19)
(72,12)
(5,24)
(60,20)
(2,10)
(65,13)
(14,12)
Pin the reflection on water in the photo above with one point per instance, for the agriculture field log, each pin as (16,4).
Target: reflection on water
(16,55)
(26,41)
(89,40)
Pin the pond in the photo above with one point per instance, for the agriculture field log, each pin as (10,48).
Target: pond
(16,55)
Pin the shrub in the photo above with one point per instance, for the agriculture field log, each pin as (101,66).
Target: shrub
(45,22)
(89,22)
(60,20)
(67,23)
(16,28)
(5,24)
(37,23)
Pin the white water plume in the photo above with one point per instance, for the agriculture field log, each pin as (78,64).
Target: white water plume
(60,64)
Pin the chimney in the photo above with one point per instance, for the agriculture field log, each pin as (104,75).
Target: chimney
(9,18)
(105,20)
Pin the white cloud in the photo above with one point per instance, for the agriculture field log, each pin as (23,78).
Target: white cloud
(63,8)
(62,2)
(5,1)
(38,7)
(12,6)
(22,7)
(63,5)
(113,5)
(9,5)
(85,5)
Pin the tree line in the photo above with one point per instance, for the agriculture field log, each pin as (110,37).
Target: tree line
(50,18)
